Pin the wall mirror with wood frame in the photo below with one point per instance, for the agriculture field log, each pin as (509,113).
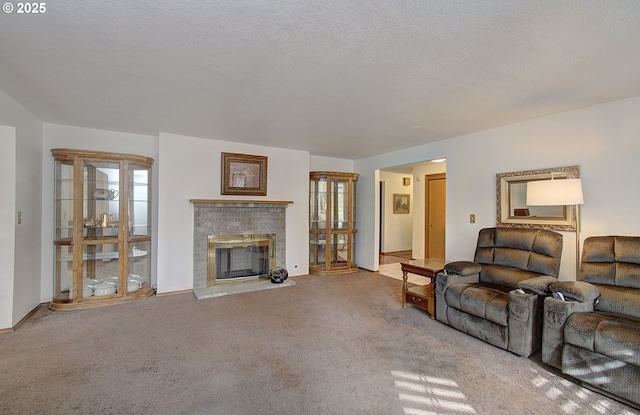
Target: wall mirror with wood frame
(511,200)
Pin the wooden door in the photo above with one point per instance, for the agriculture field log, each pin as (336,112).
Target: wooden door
(435,211)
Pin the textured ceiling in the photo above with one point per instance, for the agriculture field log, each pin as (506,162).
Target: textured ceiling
(338,78)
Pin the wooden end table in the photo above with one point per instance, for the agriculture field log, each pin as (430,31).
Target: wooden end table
(421,296)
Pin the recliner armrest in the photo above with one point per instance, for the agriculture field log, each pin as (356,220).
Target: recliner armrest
(556,313)
(462,268)
(459,272)
(538,285)
(443,281)
(580,291)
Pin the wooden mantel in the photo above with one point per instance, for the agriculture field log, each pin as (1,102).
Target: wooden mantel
(271,202)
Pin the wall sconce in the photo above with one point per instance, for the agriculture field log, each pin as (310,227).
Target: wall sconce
(406,181)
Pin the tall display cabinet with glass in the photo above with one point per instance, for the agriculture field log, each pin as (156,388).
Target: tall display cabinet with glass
(332,222)
(102,216)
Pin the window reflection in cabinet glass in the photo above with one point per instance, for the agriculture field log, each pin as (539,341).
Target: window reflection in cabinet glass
(339,248)
(100,261)
(318,204)
(64,201)
(317,249)
(339,203)
(64,271)
(139,265)
(353,209)
(139,207)
(101,197)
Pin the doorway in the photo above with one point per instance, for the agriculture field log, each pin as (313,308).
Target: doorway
(435,215)
(394,180)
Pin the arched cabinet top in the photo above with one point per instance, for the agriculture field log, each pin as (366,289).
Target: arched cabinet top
(333,174)
(71,154)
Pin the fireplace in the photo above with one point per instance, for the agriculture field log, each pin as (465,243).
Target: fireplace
(239,258)
(233,218)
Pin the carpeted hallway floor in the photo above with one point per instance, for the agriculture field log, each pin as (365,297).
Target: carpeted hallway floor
(328,345)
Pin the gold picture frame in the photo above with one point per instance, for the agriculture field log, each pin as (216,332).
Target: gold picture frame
(401,202)
(244,174)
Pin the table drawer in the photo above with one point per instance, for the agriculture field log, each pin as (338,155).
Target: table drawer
(422,297)
(415,299)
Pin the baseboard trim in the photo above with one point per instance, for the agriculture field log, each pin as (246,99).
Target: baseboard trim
(396,253)
(25,318)
(190,290)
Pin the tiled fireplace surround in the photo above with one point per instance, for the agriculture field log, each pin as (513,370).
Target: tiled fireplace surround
(233,217)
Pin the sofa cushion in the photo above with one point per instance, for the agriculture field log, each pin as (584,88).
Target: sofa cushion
(611,260)
(510,255)
(610,375)
(611,335)
(481,300)
(495,334)
(618,300)
(503,275)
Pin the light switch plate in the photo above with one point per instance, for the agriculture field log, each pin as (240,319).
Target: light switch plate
(472,218)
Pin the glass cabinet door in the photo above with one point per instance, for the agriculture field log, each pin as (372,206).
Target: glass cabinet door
(101,213)
(318,204)
(63,232)
(101,199)
(139,229)
(64,201)
(339,249)
(339,204)
(139,201)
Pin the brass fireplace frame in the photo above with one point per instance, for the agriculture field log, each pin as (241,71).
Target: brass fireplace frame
(238,241)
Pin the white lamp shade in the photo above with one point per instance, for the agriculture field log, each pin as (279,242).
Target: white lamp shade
(558,192)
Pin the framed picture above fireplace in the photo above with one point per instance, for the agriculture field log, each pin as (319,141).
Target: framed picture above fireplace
(244,174)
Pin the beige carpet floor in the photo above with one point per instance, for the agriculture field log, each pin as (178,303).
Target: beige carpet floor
(328,345)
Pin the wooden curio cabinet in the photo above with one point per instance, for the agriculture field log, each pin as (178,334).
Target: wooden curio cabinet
(332,222)
(102,239)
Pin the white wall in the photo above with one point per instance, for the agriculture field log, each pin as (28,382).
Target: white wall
(64,136)
(7,223)
(602,139)
(319,163)
(191,169)
(22,152)
(397,232)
